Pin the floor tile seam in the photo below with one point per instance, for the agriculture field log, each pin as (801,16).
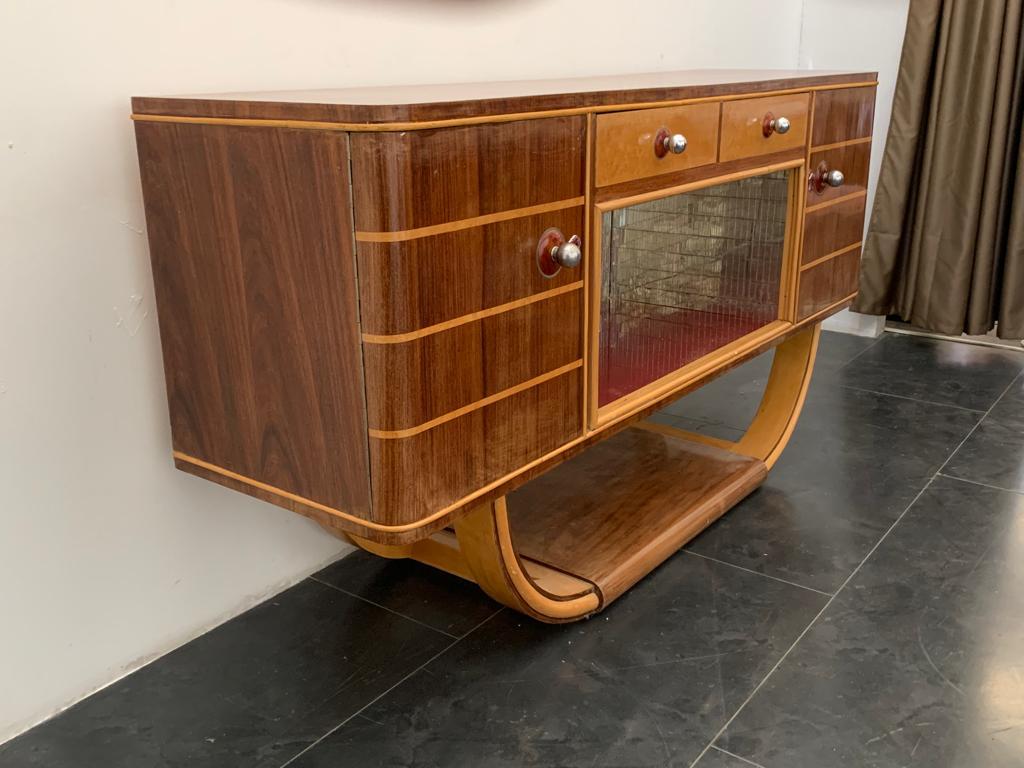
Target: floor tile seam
(813,621)
(382,607)
(975,427)
(737,757)
(977,411)
(758,573)
(1019,492)
(380,696)
(870,346)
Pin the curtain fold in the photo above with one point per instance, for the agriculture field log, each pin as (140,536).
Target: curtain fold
(945,247)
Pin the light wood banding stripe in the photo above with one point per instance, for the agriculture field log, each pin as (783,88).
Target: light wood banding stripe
(841,144)
(835,201)
(400,338)
(829,256)
(477,221)
(479,119)
(397,434)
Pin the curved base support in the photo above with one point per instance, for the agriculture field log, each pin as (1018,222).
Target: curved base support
(482,548)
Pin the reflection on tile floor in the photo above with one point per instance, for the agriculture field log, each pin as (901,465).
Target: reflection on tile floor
(865,607)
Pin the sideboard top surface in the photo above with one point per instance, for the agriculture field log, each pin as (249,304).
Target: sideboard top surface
(422,103)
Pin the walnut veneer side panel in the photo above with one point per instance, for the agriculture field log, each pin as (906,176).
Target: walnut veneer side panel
(416,381)
(251,245)
(409,285)
(843,114)
(415,476)
(407,180)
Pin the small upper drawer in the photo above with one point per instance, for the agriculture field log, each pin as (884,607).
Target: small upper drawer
(748,130)
(631,145)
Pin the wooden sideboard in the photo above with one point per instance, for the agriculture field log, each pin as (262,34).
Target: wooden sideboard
(434,318)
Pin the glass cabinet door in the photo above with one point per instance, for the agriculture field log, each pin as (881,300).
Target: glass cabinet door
(682,276)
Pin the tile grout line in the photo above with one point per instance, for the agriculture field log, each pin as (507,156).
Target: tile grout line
(738,757)
(382,607)
(976,482)
(978,424)
(380,696)
(807,629)
(757,573)
(870,346)
(927,485)
(911,399)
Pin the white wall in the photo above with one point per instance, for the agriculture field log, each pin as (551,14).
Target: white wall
(865,34)
(108,556)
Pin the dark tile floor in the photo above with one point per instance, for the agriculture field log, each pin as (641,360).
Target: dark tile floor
(865,607)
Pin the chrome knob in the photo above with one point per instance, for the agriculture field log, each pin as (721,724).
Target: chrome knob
(823,176)
(568,254)
(665,142)
(772,124)
(554,251)
(676,143)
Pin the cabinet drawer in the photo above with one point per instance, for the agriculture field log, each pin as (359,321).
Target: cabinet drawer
(627,142)
(743,126)
(419,475)
(852,161)
(827,283)
(843,115)
(832,228)
(411,384)
(409,285)
(408,180)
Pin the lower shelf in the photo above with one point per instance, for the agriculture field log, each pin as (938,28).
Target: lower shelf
(611,514)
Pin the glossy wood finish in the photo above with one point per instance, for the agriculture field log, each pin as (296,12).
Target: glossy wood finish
(455,459)
(852,160)
(418,283)
(411,383)
(255,292)
(841,115)
(824,284)
(614,512)
(474,377)
(625,143)
(743,121)
(829,229)
(402,181)
(364,107)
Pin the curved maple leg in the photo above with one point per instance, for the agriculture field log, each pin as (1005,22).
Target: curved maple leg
(781,403)
(485,540)
(783,398)
(481,551)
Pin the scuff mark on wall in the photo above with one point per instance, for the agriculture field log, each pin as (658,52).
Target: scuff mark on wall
(134,315)
(128,225)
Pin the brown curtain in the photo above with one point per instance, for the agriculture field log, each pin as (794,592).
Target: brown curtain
(945,248)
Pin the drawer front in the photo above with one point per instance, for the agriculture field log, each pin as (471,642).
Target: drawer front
(843,114)
(853,160)
(833,228)
(827,283)
(412,179)
(743,126)
(629,144)
(410,285)
(419,475)
(411,384)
